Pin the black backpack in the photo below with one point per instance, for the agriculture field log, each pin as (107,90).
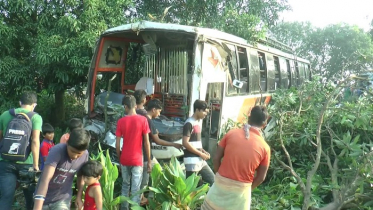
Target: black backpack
(16,144)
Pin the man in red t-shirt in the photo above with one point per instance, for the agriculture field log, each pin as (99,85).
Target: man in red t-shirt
(134,130)
(244,152)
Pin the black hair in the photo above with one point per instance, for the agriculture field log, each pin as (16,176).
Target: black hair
(91,168)
(154,104)
(258,116)
(129,101)
(140,95)
(28,98)
(79,139)
(200,105)
(75,123)
(47,128)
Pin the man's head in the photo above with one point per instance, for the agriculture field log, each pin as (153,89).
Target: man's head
(78,143)
(258,116)
(129,103)
(200,109)
(48,131)
(154,108)
(140,96)
(75,123)
(28,100)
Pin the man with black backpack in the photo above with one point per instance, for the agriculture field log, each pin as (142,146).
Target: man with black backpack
(19,148)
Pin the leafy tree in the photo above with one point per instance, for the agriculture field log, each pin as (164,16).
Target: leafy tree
(247,19)
(294,34)
(334,51)
(324,145)
(49,44)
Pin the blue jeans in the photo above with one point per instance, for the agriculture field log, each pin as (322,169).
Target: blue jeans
(132,177)
(145,176)
(9,173)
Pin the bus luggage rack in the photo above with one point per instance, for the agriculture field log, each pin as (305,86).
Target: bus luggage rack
(173,104)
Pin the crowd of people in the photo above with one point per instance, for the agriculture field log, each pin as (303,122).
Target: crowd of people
(240,163)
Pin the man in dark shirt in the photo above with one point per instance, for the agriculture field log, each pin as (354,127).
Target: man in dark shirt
(153,110)
(194,155)
(140,96)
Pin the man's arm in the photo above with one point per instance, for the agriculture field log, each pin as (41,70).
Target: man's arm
(35,148)
(191,149)
(147,149)
(117,146)
(46,176)
(159,141)
(1,135)
(219,154)
(261,173)
(80,185)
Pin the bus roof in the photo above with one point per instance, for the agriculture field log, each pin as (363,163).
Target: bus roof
(207,32)
(147,25)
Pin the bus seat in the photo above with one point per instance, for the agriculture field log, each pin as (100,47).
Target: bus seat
(145,83)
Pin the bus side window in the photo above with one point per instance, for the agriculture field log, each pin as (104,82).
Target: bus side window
(309,72)
(254,73)
(263,71)
(301,73)
(233,70)
(277,72)
(288,70)
(243,69)
(271,73)
(297,78)
(284,79)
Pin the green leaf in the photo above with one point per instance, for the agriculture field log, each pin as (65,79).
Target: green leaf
(121,199)
(180,185)
(166,205)
(137,208)
(156,174)
(154,190)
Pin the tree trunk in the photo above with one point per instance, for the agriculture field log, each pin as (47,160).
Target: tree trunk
(59,104)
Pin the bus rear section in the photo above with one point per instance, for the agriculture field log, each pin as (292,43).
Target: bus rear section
(158,61)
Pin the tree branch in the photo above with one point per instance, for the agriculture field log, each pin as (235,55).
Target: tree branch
(291,170)
(290,166)
(312,172)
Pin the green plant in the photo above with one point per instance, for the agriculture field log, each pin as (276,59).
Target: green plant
(230,124)
(324,145)
(109,176)
(172,190)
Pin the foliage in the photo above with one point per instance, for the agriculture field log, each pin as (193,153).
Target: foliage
(230,124)
(247,19)
(49,44)
(109,176)
(324,145)
(172,190)
(333,50)
(46,107)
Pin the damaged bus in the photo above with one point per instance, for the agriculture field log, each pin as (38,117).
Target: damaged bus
(178,64)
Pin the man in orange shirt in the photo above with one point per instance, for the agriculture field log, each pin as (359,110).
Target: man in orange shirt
(244,152)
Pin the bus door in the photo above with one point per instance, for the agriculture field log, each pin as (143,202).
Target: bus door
(212,91)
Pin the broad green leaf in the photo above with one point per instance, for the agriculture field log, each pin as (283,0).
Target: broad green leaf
(166,205)
(121,199)
(180,185)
